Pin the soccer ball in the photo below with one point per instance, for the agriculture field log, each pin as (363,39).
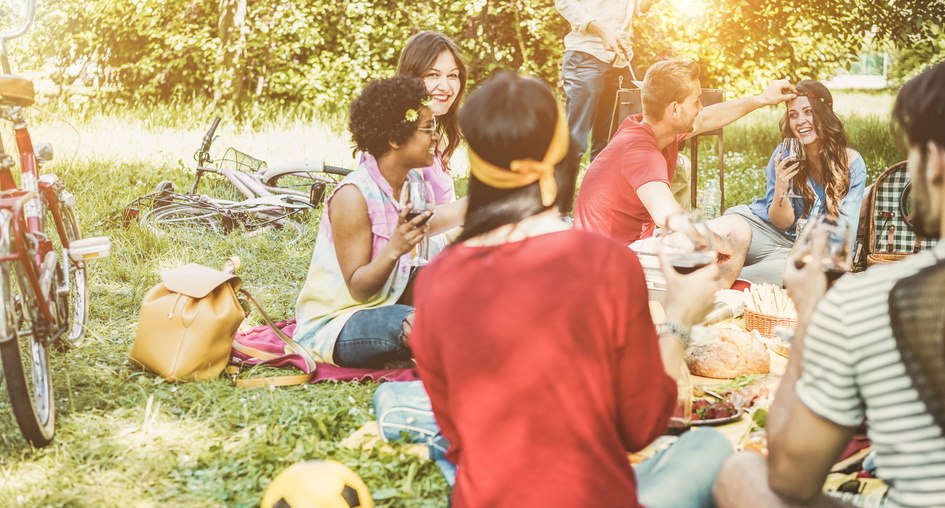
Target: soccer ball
(317,484)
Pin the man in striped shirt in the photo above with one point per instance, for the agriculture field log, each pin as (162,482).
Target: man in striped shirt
(862,353)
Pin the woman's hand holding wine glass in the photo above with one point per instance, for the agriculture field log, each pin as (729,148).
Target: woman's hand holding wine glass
(687,245)
(788,163)
(416,198)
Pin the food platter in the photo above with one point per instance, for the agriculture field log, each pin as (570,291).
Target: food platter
(719,421)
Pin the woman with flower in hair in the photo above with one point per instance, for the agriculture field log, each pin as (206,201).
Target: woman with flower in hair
(352,310)
(831,178)
(534,341)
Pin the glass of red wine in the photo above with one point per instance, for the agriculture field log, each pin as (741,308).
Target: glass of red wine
(837,255)
(681,419)
(793,148)
(687,242)
(417,197)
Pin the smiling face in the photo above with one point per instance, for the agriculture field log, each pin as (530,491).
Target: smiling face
(442,81)
(420,147)
(801,120)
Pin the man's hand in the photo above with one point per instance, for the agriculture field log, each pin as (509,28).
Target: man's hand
(777,92)
(804,273)
(608,38)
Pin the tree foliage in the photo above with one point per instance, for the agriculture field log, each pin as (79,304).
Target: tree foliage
(316,54)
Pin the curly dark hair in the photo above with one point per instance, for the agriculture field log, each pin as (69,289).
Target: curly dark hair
(833,154)
(379,115)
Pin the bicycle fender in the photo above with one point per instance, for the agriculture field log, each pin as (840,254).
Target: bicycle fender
(305,166)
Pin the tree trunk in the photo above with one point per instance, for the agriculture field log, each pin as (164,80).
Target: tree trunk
(231,70)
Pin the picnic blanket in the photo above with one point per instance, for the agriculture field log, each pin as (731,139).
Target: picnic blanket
(262,338)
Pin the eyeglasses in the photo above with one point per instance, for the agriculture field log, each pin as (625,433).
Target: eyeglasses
(431,130)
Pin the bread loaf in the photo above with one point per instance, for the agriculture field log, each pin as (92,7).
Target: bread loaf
(728,355)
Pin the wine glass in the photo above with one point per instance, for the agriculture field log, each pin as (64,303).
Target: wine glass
(681,419)
(837,256)
(687,242)
(793,148)
(418,197)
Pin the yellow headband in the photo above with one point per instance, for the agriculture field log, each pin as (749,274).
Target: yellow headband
(523,172)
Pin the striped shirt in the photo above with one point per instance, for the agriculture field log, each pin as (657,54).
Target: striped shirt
(852,369)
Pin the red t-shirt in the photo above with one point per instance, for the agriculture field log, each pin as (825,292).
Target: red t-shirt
(607,202)
(543,368)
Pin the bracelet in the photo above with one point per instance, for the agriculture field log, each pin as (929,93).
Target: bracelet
(676,329)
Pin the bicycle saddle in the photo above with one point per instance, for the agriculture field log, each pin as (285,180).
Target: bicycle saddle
(16,91)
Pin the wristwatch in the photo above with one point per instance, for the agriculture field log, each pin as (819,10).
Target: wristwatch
(676,329)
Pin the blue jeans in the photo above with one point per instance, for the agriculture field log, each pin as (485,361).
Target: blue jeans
(683,474)
(373,337)
(590,87)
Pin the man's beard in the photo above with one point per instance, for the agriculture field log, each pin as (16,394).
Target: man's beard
(925,222)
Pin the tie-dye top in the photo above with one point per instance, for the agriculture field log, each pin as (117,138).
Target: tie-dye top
(444,190)
(325,304)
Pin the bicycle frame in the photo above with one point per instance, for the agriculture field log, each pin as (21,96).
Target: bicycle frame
(20,234)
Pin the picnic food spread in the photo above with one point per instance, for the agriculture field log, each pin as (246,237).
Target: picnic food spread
(770,300)
(709,413)
(728,354)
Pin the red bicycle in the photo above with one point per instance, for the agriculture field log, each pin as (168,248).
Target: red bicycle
(38,287)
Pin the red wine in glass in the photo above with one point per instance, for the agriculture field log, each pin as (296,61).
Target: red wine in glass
(677,427)
(833,272)
(689,262)
(414,213)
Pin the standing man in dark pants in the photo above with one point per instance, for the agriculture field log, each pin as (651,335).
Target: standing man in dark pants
(597,53)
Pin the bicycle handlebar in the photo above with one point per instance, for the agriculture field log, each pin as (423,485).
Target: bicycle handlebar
(203,154)
(208,138)
(30,12)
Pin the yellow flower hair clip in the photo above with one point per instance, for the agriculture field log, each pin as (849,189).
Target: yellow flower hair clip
(411,115)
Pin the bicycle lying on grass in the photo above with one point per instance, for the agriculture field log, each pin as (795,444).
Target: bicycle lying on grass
(253,196)
(38,289)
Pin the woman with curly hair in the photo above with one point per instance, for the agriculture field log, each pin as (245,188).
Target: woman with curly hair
(831,178)
(351,310)
(434,58)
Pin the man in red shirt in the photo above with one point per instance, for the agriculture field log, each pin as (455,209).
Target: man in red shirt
(626,189)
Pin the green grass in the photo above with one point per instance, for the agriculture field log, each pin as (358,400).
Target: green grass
(125,438)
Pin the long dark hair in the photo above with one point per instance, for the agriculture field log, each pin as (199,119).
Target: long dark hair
(418,57)
(511,118)
(833,151)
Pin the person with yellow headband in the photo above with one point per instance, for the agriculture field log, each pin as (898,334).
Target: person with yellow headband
(534,341)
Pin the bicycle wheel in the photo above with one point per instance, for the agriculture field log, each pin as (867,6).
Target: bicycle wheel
(78,299)
(316,185)
(186,219)
(24,351)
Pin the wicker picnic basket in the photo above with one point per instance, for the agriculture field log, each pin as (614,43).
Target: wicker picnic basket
(765,323)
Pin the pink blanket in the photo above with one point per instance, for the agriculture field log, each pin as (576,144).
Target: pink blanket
(264,339)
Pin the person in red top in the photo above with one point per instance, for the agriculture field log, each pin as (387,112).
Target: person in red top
(535,342)
(626,190)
